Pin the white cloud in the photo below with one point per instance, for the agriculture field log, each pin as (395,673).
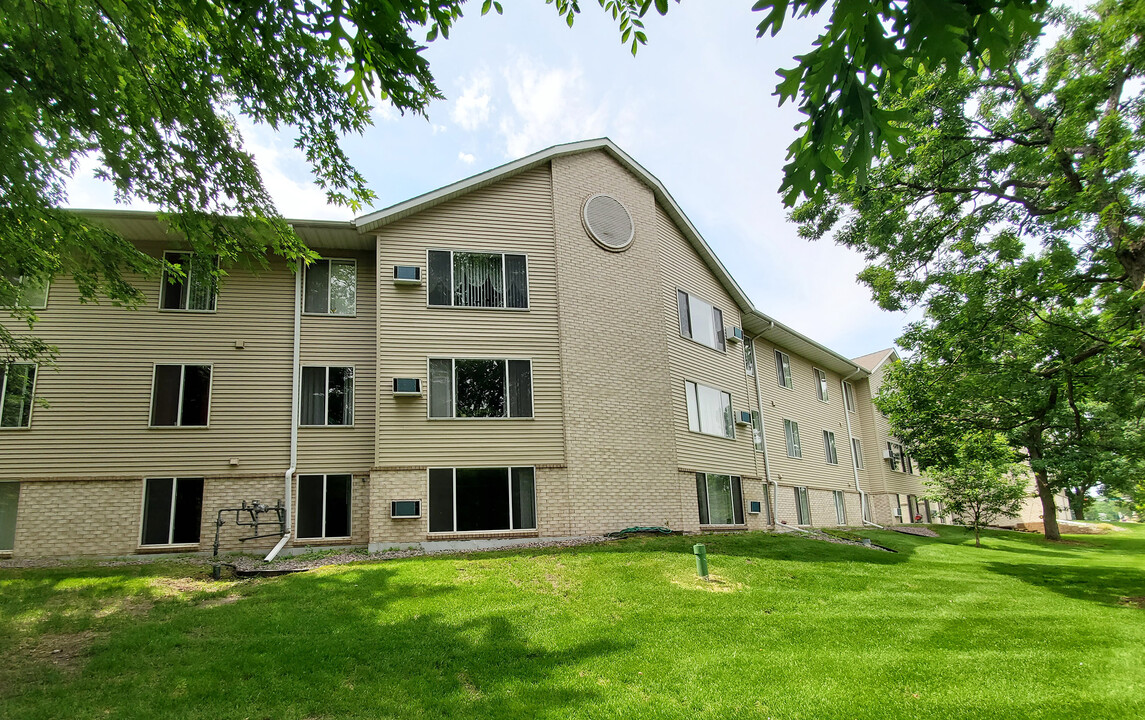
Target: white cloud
(472,107)
(385,111)
(466,158)
(550,105)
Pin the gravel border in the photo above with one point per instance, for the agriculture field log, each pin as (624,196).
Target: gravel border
(919,531)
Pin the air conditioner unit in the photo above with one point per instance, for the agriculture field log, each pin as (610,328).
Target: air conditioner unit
(407,275)
(898,512)
(888,455)
(744,418)
(733,334)
(407,386)
(754,507)
(405,509)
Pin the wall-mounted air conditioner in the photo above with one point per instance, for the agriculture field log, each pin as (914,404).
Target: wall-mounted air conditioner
(898,512)
(405,509)
(407,275)
(754,507)
(888,455)
(743,418)
(733,334)
(407,386)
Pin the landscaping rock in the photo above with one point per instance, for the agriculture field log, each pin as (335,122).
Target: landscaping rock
(912,530)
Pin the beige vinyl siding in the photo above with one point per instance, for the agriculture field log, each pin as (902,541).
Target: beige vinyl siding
(99,394)
(514,215)
(801,405)
(333,340)
(688,360)
(863,425)
(894,481)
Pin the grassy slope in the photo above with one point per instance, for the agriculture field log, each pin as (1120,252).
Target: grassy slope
(794,629)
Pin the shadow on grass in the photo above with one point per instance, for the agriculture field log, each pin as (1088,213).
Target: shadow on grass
(1097,583)
(347,643)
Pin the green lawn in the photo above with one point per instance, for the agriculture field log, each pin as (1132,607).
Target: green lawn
(791,628)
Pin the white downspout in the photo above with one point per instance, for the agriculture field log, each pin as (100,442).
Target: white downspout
(863,503)
(774,510)
(288,477)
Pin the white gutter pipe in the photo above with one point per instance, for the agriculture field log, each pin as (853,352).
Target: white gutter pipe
(288,477)
(864,505)
(763,433)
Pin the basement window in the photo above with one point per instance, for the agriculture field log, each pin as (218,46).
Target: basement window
(181,396)
(482,499)
(323,506)
(9,502)
(840,507)
(172,511)
(802,506)
(720,499)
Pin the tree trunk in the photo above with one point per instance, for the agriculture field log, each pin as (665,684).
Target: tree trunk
(1045,492)
(977,541)
(1076,497)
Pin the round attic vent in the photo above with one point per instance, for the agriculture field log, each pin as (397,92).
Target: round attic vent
(608,222)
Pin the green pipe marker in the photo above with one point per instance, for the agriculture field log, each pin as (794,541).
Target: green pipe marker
(701,554)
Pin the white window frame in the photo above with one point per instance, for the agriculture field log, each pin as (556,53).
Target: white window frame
(821,390)
(802,500)
(171,518)
(31,400)
(509,484)
(18,281)
(163,284)
(326,399)
(830,448)
(849,397)
(840,507)
(722,346)
(182,384)
(453,389)
(783,370)
(698,429)
(857,452)
(791,435)
(504,281)
(305,277)
(897,456)
(749,352)
(708,496)
(325,490)
(757,430)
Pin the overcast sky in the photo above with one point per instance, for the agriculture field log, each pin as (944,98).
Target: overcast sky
(695,108)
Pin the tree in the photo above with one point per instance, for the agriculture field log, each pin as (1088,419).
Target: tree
(1046,150)
(982,483)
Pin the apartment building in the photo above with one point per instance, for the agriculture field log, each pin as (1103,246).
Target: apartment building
(547,349)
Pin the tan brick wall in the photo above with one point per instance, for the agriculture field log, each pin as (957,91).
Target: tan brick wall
(78,518)
(618,423)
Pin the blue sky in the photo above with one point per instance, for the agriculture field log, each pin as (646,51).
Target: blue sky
(695,107)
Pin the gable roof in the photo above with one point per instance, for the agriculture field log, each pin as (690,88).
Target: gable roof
(755,322)
(873,361)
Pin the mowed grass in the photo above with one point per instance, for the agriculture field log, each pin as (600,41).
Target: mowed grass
(790,628)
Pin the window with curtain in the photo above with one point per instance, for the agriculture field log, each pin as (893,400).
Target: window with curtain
(829,450)
(195,290)
(327,396)
(709,410)
(181,396)
(783,369)
(791,431)
(482,499)
(331,287)
(478,279)
(821,385)
(480,388)
(17,394)
(700,320)
(802,506)
(720,499)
